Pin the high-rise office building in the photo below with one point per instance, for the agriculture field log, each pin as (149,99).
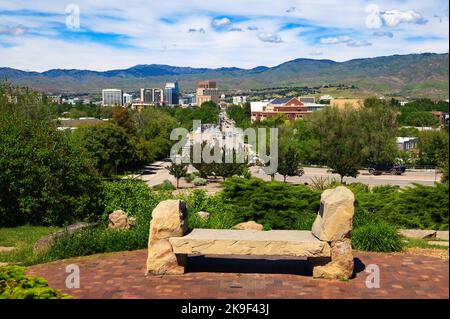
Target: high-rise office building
(172,93)
(152,96)
(127,99)
(112,97)
(207,91)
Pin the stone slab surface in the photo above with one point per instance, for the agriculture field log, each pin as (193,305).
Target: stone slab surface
(417,233)
(442,234)
(249,242)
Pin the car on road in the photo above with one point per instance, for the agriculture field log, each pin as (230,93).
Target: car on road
(394,169)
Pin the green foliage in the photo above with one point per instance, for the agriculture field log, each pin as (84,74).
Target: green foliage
(44,179)
(166,185)
(342,141)
(190,177)
(198,181)
(24,103)
(240,115)
(108,145)
(208,112)
(289,161)
(433,147)
(222,214)
(178,171)
(422,207)
(320,183)
(275,205)
(15,284)
(123,117)
(419,112)
(228,168)
(376,236)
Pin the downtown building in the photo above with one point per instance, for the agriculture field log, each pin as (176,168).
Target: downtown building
(112,97)
(292,108)
(172,93)
(207,91)
(154,96)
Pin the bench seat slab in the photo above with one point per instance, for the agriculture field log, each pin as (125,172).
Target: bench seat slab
(258,243)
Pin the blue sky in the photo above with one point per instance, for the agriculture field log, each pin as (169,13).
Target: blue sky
(45,34)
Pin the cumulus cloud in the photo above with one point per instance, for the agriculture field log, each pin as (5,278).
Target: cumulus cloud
(221,22)
(199,30)
(17,30)
(359,43)
(349,41)
(383,34)
(270,37)
(336,40)
(391,18)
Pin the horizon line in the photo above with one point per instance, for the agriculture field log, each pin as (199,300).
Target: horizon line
(223,67)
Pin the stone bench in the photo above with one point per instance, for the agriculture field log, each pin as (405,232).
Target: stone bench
(327,246)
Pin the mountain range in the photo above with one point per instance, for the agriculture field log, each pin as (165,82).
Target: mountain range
(412,75)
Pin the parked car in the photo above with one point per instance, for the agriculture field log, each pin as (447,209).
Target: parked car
(394,169)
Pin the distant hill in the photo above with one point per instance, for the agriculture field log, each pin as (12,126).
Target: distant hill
(413,75)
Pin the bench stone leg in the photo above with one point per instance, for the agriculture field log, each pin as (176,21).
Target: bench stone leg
(317,261)
(341,265)
(169,219)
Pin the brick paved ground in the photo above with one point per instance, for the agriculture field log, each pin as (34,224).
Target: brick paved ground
(121,275)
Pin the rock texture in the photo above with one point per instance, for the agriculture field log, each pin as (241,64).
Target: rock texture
(341,265)
(442,234)
(120,220)
(203,215)
(251,242)
(250,225)
(46,241)
(335,217)
(417,233)
(169,219)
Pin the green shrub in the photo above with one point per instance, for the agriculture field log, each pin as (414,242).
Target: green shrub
(376,236)
(275,205)
(15,284)
(44,179)
(166,185)
(198,181)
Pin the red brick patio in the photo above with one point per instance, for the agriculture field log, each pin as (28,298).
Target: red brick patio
(121,275)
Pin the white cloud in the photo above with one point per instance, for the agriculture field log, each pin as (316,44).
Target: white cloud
(359,43)
(336,40)
(270,37)
(348,40)
(377,18)
(383,34)
(17,30)
(316,53)
(193,30)
(393,18)
(221,22)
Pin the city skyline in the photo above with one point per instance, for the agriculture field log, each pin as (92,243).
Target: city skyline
(245,34)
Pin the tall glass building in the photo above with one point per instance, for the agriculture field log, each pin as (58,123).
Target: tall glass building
(172,93)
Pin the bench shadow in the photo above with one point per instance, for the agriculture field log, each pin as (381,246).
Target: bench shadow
(252,265)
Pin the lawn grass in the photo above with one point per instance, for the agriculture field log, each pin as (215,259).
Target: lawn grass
(23,238)
(422,243)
